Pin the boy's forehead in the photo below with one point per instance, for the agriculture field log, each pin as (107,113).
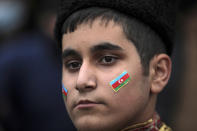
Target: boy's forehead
(94,38)
(97,31)
(89,40)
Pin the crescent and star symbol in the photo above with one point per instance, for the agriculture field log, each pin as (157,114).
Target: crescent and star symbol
(120,81)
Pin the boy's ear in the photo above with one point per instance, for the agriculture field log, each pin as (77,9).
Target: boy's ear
(160,70)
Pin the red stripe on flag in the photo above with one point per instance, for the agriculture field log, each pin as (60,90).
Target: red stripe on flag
(64,92)
(118,82)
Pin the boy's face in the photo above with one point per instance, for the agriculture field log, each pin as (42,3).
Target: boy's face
(93,56)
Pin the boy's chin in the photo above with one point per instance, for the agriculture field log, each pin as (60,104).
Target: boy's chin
(93,125)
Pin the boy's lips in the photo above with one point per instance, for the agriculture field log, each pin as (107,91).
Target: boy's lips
(85,103)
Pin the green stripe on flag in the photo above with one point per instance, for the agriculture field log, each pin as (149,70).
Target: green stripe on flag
(64,96)
(122,84)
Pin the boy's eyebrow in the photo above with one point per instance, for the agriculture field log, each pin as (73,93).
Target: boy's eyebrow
(69,52)
(99,47)
(105,46)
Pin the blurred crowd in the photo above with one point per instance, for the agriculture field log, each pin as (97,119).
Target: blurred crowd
(30,69)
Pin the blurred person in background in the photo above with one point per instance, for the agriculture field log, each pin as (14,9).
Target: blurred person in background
(14,15)
(30,72)
(186,115)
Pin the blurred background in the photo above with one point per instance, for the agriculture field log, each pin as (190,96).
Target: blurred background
(185,116)
(30,69)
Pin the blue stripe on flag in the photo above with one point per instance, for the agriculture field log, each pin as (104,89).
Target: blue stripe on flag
(64,88)
(118,78)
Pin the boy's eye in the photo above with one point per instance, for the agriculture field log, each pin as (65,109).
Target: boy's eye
(107,60)
(73,65)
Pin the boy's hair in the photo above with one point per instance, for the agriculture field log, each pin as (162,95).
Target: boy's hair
(146,41)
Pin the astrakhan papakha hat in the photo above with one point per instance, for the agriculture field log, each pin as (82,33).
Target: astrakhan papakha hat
(157,14)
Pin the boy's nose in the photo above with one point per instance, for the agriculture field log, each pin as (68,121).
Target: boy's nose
(86,78)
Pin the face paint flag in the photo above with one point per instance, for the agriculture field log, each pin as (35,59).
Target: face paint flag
(64,90)
(120,81)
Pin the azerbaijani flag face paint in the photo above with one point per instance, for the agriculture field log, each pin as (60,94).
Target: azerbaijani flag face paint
(120,81)
(64,90)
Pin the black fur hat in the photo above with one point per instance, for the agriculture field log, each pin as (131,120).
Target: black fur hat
(157,14)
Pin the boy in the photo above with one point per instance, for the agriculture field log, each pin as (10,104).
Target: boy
(115,62)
